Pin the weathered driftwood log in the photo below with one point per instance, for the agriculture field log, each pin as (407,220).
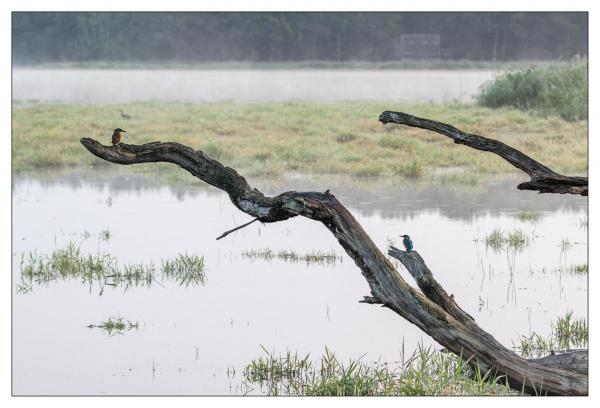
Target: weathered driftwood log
(543,179)
(458,334)
(576,361)
(413,262)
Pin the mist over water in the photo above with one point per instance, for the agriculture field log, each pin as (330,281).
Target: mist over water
(121,86)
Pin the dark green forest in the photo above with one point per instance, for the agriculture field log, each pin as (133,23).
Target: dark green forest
(209,37)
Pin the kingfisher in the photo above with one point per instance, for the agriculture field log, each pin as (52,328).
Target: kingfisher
(408,245)
(116,137)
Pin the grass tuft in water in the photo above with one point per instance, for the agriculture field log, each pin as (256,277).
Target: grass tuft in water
(568,333)
(532,217)
(313,257)
(103,269)
(426,372)
(115,325)
(581,269)
(515,240)
(186,269)
(105,235)
(565,244)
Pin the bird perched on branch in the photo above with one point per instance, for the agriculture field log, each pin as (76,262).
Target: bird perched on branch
(124,115)
(408,245)
(116,137)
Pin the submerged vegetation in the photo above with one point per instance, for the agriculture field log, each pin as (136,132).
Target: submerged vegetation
(115,325)
(314,257)
(103,269)
(426,372)
(311,137)
(567,333)
(559,89)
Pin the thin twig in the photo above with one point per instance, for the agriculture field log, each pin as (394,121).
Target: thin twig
(223,235)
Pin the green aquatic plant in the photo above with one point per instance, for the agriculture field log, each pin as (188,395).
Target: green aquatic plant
(565,244)
(581,269)
(529,216)
(426,372)
(115,325)
(105,235)
(495,239)
(313,257)
(186,269)
(570,331)
(102,269)
(516,240)
(567,333)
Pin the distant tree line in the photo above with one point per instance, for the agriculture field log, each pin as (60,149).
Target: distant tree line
(52,37)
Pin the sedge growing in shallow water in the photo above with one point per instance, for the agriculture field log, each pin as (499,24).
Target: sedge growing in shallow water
(425,372)
(103,270)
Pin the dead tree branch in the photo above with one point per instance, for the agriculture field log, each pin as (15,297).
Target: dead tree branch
(576,361)
(223,235)
(462,336)
(543,179)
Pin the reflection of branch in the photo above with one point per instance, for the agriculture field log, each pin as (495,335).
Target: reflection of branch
(543,179)
(457,333)
(223,235)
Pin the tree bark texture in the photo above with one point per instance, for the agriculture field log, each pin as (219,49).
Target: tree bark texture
(543,179)
(445,322)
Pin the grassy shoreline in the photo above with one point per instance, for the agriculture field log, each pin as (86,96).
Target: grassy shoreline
(269,139)
(282,65)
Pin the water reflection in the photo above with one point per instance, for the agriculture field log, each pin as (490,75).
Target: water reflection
(192,337)
(385,198)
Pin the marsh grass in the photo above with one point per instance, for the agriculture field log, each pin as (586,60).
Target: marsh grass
(581,269)
(313,257)
(115,325)
(549,90)
(105,235)
(426,372)
(515,240)
(532,217)
(102,269)
(185,269)
(269,139)
(565,244)
(567,333)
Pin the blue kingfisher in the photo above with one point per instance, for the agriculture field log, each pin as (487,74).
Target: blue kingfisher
(408,245)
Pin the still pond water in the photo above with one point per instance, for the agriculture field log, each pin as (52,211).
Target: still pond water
(192,339)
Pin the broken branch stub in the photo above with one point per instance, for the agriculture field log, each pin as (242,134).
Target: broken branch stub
(460,335)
